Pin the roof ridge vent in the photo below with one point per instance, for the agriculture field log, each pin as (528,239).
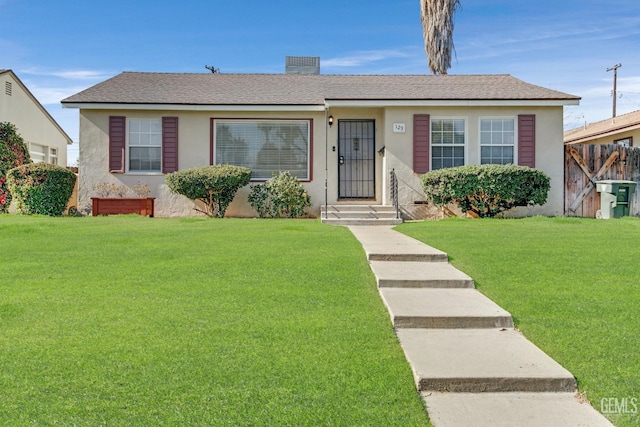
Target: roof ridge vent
(302,65)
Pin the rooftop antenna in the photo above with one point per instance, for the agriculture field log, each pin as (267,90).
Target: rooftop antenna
(615,83)
(213,69)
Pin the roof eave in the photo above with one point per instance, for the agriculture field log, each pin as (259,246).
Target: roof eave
(602,134)
(192,107)
(452,102)
(328,103)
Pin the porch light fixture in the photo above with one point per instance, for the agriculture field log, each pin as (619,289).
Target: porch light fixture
(330,121)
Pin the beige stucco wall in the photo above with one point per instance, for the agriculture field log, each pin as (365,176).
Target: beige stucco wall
(195,148)
(26,114)
(549,148)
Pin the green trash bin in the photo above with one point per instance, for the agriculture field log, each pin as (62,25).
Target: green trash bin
(615,197)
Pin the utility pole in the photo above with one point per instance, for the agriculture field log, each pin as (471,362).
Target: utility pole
(615,84)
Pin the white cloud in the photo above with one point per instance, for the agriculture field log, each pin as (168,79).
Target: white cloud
(358,59)
(68,74)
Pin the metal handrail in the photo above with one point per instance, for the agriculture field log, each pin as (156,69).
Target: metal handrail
(394,192)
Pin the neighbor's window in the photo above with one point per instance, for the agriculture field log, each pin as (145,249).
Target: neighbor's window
(447,143)
(264,146)
(625,142)
(145,145)
(38,153)
(497,141)
(53,156)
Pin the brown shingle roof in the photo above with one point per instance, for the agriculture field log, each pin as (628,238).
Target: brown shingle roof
(296,89)
(603,128)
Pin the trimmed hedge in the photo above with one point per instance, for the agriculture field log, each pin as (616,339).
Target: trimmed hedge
(41,188)
(215,186)
(282,196)
(13,153)
(486,190)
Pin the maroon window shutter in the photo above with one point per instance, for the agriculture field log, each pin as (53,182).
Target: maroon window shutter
(527,140)
(421,137)
(117,141)
(169,144)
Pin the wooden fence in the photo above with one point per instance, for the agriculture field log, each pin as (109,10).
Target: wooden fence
(586,164)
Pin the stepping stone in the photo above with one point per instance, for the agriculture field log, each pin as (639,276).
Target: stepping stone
(411,274)
(481,360)
(511,409)
(443,309)
(382,243)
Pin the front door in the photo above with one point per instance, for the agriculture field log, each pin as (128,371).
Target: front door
(356,159)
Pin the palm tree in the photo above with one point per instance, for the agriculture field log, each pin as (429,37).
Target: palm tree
(437,28)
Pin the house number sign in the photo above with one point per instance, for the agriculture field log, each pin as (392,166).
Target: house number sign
(399,128)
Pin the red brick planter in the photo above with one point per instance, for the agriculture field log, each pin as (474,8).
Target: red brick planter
(119,205)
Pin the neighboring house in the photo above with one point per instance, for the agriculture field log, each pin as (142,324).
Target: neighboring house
(605,150)
(46,140)
(341,135)
(623,130)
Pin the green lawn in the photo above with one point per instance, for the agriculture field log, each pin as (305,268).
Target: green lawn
(123,321)
(572,285)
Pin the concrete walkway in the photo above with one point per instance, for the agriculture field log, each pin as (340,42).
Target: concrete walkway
(469,363)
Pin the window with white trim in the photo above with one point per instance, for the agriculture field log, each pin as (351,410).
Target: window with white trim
(53,156)
(264,146)
(144,145)
(447,143)
(497,141)
(38,153)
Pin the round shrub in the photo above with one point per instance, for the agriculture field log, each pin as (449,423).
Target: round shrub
(41,188)
(13,153)
(282,196)
(486,190)
(215,186)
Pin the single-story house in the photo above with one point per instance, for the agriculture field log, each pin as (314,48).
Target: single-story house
(46,140)
(623,130)
(341,135)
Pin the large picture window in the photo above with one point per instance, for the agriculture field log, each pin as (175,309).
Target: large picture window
(264,146)
(447,143)
(145,145)
(497,141)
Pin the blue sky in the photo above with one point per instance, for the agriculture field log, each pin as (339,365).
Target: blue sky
(58,48)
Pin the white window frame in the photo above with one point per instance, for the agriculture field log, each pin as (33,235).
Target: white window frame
(466,138)
(53,155)
(129,146)
(34,154)
(309,137)
(515,137)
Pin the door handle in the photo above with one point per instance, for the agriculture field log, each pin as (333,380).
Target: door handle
(341,160)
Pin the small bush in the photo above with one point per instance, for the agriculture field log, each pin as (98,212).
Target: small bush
(215,186)
(13,153)
(41,188)
(280,197)
(486,190)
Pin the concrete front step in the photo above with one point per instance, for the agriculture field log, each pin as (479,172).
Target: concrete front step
(361,221)
(511,409)
(359,214)
(443,309)
(411,274)
(385,244)
(363,215)
(481,360)
(359,208)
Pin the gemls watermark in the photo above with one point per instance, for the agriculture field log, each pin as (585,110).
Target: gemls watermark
(614,405)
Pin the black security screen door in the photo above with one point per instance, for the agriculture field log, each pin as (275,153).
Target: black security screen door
(356,159)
